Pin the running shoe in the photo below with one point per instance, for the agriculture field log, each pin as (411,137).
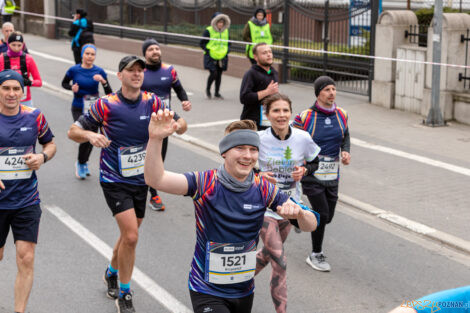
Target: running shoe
(80,172)
(156,203)
(317,261)
(218,96)
(87,171)
(112,283)
(124,304)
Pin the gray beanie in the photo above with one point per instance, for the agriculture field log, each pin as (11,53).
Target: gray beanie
(321,82)
(147,43)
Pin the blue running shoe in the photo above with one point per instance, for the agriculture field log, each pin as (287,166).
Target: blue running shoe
(80,171)
(87,171)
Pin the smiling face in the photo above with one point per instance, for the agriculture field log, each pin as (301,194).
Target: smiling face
(327,96)
(153,54)
(10,96)
(132,77)
(279,115)
(240,160)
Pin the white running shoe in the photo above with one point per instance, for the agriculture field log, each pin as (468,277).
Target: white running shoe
(317,261)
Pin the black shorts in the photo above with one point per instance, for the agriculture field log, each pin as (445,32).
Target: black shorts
(203,303)
(24,224)
(122,197)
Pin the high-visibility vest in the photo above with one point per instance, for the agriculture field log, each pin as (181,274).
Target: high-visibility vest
(217,49)
(10,7)
(258,34)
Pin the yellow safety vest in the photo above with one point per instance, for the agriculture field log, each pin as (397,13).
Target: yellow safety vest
(258,34)
(217,49)
(10,7)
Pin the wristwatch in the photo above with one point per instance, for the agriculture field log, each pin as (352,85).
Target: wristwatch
(45,157)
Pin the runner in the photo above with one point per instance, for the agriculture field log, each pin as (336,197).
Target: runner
(20,128)
(16,59)
(260,81)
(160,78)
(282,153)
(327,124)
(216,52)
(230,203)
(123,118)
(7,29)
(85,78)
(257,30)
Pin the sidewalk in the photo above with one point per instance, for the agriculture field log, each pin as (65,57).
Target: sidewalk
(431,195)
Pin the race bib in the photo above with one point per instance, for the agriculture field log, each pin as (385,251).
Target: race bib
(12,163)
(230,263)
(263,118)
(131,160)
(88,100)
(328,168)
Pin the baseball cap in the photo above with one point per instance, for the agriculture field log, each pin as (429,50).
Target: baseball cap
(128,61)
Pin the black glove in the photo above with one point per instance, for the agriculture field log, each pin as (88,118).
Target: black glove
(27,82)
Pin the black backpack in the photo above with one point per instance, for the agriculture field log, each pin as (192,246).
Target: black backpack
(23,68)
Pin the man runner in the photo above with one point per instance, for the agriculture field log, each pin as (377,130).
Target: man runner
(160,78)
(20,128)
(123,118)
(230,203)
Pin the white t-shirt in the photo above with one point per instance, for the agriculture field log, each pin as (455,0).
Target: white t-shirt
(280,157)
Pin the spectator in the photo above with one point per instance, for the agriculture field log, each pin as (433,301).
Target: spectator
(8,8)
(257,30)
(216,52)
(81,32)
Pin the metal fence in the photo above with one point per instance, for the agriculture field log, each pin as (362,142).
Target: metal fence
(331,25)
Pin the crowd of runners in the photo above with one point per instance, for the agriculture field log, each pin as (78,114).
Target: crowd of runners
(269,162)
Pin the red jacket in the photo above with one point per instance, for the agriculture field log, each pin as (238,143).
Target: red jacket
(32,71)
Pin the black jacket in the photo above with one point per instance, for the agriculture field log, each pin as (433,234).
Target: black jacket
(254,80)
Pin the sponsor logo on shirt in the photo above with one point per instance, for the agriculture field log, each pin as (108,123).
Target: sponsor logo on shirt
(23,129)
(164,78)
(229,249)
(250,206)
(144,117)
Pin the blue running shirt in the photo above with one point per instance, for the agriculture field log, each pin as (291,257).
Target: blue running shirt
(18,136)
(125,123)
(223,216)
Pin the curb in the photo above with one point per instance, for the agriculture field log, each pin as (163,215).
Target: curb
(388,216)
(409,225)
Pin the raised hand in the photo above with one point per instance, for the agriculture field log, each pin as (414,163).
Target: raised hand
(162,124)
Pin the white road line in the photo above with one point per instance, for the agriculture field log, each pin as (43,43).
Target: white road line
(209,124)
(414,157)
(145,282)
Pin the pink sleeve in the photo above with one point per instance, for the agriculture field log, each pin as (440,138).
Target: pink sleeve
(33,70)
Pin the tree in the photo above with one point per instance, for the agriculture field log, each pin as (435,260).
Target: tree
(288,153)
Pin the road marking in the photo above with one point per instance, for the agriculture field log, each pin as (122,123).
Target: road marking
(410,156)
(209,124)
(144,281)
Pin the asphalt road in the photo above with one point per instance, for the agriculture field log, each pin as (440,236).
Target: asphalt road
(375,266)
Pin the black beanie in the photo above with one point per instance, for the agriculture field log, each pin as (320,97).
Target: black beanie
(147,43)
(15,37)
(321,82)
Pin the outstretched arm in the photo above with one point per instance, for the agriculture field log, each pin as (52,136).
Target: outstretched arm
(162,125)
